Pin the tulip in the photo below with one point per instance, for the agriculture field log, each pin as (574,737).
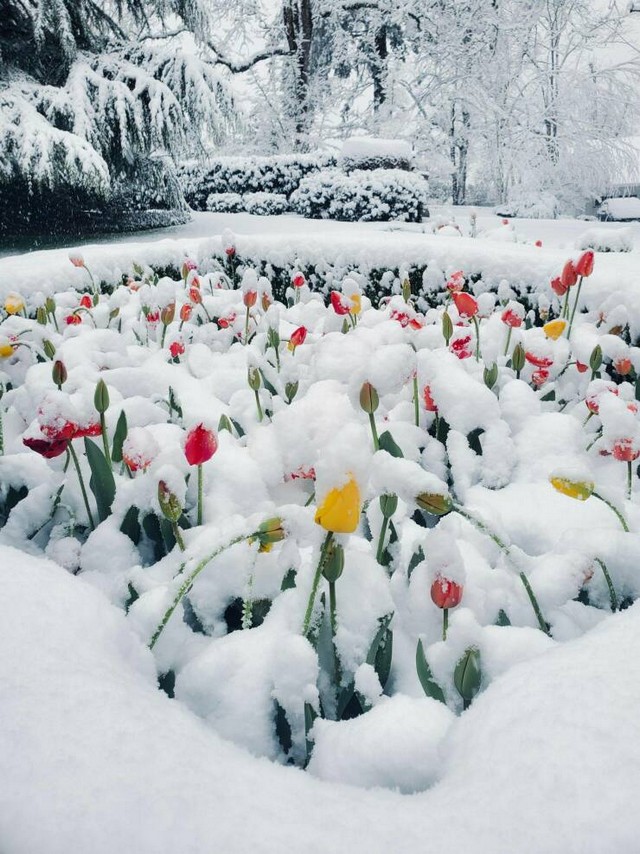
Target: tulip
(86,301)
(297,338)
(554,329)
(339,513)
(538,243)
(445,594)
(187,266)
(568,277)
(73,319)
(429,404)
(538,361)
(622,366)
(249,298)
(339,303)
(558,286)
(627,451)
(171,510)
(298,280)
(456,282)
(176,349)
(467,675)
(369,402)
(460,347)
(581,368)
(466,304)
(271,531)
(584,264)
(6,348)
(59,373)
(200,445)
(578,489)
(13,304)
(47,448)
(77,260)
(185,312)
(512,318)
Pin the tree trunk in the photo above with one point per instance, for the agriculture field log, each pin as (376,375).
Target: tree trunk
(459,152)
(379,69)
(298,22)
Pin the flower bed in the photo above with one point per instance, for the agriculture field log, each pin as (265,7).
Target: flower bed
(304,505)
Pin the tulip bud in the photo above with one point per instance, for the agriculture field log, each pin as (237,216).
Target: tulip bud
(50,305)
(445,593)
(434,503)
(101,397)
(169,503)
(447,327)
(270,531)
(578,489)
(467,675)
(254,379)
(225,424)
(59,373)
(406,290)
(491,375)
(369,399)
(388,505)
(518,358)
(41,315)
(168,313)
(249,298)
(595,359)
(291,389)
(49,349)
(333,562)
(273,338)
(200,445)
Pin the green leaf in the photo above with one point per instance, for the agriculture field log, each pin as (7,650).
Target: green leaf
(417,558)
(310,716)
(289,580)
(387,443)
(265,382)
(102,483)
(502,619)
(238,428)
(467,675)
(118,438)
(283,727)
(381,650)
(131,598)
(473,438)
(429,684)
(167,683)
(131,525)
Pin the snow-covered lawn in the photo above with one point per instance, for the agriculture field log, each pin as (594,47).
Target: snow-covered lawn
(410,570)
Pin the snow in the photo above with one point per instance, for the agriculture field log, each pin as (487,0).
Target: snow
(546,759)
(621,208)
(359,147)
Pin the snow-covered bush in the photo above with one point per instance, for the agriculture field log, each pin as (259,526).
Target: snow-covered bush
(606,240)
(265,204)
(369,153)
(276,174)
(224,203)
(363,196)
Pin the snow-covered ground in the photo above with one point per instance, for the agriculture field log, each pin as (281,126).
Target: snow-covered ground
(529,459)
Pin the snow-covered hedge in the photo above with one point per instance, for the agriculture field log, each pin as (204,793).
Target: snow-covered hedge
(362,196)
(368,153)
(266,204)
(606,240)
(276,174)
(224,203)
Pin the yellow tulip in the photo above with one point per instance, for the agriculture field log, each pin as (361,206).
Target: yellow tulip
(13,304)
(578,489)
(356,304)
(340,510)
(6,349)
(554,329)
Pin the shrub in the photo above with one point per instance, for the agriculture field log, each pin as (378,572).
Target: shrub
(278,174)
(366,153)
(362,196)
(266,204)
(225,203)
(606,240)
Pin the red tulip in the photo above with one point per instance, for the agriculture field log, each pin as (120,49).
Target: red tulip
(539,377)
(456,282)
(581,367)
(73,319)
(195,296)
(200,445)
(511,318)
(538,361)
(45,447)
(77,260)
(445,593)
(461,347)
(185,312)
(622,365)
(176,348)
(226,322)
(86,302)
(568,276)
(153,317)
(538,243)
(340,304)
(626,450)
(298,280)
(249,298)
(558,286)
(466,304)
(429,404)
(297,337)
(584,264)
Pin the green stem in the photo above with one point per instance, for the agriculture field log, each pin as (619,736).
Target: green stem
(188,584)
(164,332)
(177,535)
(416,401)
(507,551)
(445,623)
(1,435)
(246,326)
(629,479)
(477,326)
(334,626)
(611,506)
(575,306)
(383,532)
(374,432)
(76,463)
(612,593)
(316,581)
(200,479)
(506,346)
(260,413)
(565,307)
(105,439)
